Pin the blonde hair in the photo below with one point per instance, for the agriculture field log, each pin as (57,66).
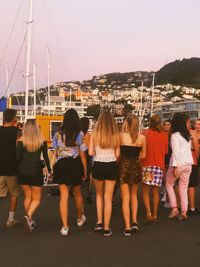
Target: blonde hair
(106,134)
(131,126)
(31,136)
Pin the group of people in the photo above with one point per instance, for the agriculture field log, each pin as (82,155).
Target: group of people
(164,155)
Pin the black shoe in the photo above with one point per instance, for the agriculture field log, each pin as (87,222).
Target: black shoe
(193,212)
(107,232)
(135,227)
(127,232)
(98,227)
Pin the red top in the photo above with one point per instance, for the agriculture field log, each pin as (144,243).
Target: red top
(157,148)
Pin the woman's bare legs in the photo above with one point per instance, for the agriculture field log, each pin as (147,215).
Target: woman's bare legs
(35,200)
(64,196)
(27,197)
(108,196)
(125,195)
(78,200)
(134,202)
(99,187)
(156,199)
(146,198)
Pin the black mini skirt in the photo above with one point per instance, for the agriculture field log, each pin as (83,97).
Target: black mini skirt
(105,170)
(68,171)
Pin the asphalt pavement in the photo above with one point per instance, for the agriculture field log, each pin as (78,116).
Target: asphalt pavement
(165,243)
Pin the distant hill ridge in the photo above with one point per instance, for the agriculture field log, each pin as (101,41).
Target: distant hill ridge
(185,72)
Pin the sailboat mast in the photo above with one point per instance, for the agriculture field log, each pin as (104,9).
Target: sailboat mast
(48,77)
(70,98)
(34,89)
(7,80)
(7,86)
(28,54)
(152,94)
(141,98)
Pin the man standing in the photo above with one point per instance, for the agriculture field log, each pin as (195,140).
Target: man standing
(8,162)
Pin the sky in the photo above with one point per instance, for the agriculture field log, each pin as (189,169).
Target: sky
(90,37)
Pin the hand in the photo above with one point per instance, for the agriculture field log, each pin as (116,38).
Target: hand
(175,172)
(84,178)
(45,171)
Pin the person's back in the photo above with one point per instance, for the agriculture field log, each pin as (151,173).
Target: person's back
(8,137)
(8,162)
(157,148)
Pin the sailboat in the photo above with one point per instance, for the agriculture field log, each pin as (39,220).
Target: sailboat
(49,113)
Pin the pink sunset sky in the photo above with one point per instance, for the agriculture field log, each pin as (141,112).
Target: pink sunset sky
(90,37)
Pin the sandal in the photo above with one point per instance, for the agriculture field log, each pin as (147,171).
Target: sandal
(174,213)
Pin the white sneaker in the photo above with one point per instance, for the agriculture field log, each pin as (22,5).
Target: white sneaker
(80,222)
(11,224)
(64,231)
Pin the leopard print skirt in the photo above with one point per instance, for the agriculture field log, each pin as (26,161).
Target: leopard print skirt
(130,171)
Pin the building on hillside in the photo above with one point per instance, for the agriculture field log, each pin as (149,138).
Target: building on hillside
(57,107)
(166,111)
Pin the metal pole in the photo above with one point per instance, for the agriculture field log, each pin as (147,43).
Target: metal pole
(48,77)
(34,90)
(141,97)
(70,98)
(7,84)
(152,94)
(7,80)
(28,54)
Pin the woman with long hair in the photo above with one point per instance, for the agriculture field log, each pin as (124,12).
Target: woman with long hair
(154,165)
(133,148)
(30,147)
(105,147)
(180,166)
(70,167)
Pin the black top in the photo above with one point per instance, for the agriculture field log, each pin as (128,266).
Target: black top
(8,162)
(168,156)
(32,157)
(130,151)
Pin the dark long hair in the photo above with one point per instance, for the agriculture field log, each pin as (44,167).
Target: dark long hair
(179,125)
(84,124)
(71,127)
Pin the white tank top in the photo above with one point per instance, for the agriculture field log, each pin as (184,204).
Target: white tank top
(104,155)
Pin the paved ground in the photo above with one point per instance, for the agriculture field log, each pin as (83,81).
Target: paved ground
(166,243)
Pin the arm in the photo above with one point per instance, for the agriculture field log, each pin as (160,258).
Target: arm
(45,155)
(117,149)
(144,148)
(82,149)
(87,139)
(84,162)
(91,146)
(195,144)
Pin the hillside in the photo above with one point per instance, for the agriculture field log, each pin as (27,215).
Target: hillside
(184,72)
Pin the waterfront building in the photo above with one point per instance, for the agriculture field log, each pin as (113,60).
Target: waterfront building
(166,111)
